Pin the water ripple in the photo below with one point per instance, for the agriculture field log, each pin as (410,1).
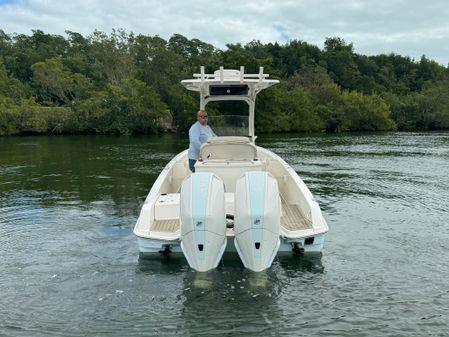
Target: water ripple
(70,263)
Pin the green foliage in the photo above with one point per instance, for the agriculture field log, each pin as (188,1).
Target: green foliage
(273,119)
(28,117)
(55,85)
(110,58)
(297,105)
(364,113)
(193,52)
(340,60)
(23,51)
(405,110)
(39,119)
(130,107)
(122,83)
(9,113)
(11,87)
(434,105)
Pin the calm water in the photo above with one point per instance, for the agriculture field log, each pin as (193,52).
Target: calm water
(70,267)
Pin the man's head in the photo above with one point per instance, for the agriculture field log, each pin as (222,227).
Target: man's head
(202,117)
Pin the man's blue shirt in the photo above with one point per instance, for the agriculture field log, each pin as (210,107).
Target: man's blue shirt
(198,134)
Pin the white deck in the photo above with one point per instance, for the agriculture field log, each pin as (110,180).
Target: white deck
(300,214)
(291,219)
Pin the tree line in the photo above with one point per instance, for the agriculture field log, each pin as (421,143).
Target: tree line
(122,83)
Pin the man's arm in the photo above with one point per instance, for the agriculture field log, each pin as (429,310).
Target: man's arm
(194,138)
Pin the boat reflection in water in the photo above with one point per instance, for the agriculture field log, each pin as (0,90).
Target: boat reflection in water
(229,299)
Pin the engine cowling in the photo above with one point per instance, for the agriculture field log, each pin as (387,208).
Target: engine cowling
(257,219)
(203,220)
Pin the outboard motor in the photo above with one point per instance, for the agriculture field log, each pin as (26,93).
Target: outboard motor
(203,220)
(257,219)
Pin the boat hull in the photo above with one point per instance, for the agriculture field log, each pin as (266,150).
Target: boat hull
(162,247)
(302,227)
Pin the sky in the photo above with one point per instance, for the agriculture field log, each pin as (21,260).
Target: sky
(409,28)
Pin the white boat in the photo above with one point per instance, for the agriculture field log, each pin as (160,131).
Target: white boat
(242,198)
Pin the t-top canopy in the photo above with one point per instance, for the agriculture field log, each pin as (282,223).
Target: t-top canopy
(228,78)
(230,85)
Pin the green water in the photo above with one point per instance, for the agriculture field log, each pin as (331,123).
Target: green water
(70,267)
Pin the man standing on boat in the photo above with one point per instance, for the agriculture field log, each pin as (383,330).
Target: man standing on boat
(199,133)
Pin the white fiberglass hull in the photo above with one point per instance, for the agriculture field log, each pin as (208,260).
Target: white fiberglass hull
(302,225)
(149,246)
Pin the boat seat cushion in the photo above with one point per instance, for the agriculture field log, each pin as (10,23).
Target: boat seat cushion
(231,148)
(228,139)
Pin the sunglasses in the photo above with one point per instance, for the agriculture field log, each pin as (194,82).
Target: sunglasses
(204,117)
